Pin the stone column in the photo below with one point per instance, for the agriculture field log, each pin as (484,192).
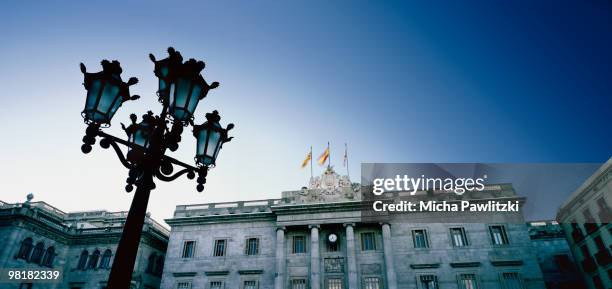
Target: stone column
(388,251)
(279,281)
(350,257)
(315,261)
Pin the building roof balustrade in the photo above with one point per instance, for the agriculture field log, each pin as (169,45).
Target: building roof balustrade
(225,208)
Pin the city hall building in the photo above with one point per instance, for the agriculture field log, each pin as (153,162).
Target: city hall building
(319,237)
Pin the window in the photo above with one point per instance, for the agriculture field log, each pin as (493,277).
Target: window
(458,237)
(25,249)
(563,262)
(216,284)
(159,266)
(183,285)
(371,283)
(37,253)
(93,260)
(49,256)
(419,237)
(428,282)
(219,249)
(368,241)
(512,281)
(299,244)
(105,263)
(250,284)
(599,243)
(597,282)
(467,281)
(252,246)
(151,263)
(585,251)
(588,218)
(83,260)
(335,283)
(498,235)
(188,249)
(298,284)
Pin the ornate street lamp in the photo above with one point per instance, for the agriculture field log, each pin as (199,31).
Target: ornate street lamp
(181,87)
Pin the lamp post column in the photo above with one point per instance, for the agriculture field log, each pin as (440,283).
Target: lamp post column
(388,252)
(315,262)
(350,257)
(279,281)
(125,257)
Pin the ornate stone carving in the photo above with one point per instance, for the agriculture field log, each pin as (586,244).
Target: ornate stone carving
(329,187)
(334,265)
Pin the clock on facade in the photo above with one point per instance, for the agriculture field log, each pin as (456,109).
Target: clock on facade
(332,238)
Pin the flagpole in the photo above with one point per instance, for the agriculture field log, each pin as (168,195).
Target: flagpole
(347,160)
(329,156)
(311,176)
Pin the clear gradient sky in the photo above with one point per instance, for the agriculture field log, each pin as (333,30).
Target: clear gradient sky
(400,81)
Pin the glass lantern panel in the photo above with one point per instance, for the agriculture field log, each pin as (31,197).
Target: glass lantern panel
(141,137)
(162,86)
(110,93)
(93,94)
(194,99)
(182,92)
(164,71)
(213,142)
(202,140)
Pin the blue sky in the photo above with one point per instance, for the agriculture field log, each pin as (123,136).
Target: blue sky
(400,81)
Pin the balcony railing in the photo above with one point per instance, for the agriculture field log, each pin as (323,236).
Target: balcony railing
(603,257)
(577,235)
(589,265)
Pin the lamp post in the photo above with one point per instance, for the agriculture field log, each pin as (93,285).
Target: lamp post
(181,87)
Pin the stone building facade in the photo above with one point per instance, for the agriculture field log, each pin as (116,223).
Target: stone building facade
(38,236)
(318,238)
(585,218)
(558,266)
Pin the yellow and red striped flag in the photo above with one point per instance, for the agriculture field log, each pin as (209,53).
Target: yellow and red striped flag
(324,156)
(308,157)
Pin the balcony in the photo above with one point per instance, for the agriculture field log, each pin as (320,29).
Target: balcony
(603,258)
(577,235)
(591,227)
(589,265)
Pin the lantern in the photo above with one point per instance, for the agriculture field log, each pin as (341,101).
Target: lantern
(105,93)
(181,87)
(140,133)
(210,138)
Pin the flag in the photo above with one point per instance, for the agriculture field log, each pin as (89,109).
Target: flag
(324,156)
(345,155)
(308,157)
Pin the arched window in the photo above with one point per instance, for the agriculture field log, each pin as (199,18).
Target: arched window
(37,253)
(93,260)
(159,265)
(25,249)
(49,256)
(151,263)
(83,260)
(105,262)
